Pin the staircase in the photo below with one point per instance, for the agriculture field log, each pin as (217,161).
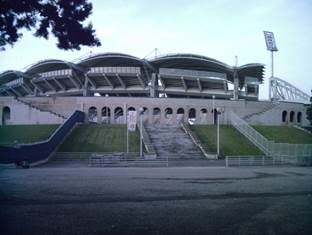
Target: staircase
(40,109)
(266,109)
(171,142)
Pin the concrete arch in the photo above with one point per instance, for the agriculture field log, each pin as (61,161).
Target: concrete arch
(180,115)
(203,116)
(156,115)
(284,116)
(118,115)
(192,116)
(6,115)
(106,114)
(169,115)
(92,114)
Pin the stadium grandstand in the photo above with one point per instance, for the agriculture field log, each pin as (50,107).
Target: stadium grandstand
(116,74)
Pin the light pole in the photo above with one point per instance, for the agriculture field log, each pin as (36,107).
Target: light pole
(218,132)
(213,108)
(141,110)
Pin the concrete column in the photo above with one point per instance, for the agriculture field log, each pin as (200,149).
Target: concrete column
(99,114)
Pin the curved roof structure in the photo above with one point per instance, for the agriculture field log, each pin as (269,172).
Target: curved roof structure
(118,74)
(50,65)
(111,59)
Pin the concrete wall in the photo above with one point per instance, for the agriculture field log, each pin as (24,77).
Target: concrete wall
(24,114)
(260,112)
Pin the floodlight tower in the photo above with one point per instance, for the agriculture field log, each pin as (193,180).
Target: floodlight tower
(271,46)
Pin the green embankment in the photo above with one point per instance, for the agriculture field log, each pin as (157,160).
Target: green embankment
(100,138)
(25,133)
(231,141)
(284,134)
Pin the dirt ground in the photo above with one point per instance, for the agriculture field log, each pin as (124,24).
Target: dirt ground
(174,200)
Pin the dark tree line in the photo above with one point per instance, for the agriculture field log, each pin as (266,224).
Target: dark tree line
(65,19)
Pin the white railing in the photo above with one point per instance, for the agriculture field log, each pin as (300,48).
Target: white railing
(254,161)
(270,148)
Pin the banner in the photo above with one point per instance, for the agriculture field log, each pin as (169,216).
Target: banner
(270,41)
(131,120)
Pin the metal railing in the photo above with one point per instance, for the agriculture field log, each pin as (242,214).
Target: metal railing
(270,148)
(203,148)
(254,161)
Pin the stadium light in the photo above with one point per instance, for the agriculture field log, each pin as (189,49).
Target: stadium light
(271,46)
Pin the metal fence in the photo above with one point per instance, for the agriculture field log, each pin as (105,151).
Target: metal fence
(270,148)
(254,161)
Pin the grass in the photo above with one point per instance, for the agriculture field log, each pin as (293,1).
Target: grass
(100,138)
(284,134)
(231,141)
(25,133)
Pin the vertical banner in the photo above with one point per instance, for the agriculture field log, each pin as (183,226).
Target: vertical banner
(131,120)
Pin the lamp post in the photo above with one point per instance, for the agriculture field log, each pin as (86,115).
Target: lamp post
(141,110)
(213,108)
(218,132)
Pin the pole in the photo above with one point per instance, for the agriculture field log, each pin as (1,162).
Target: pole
(218,137)
(272,64)
(141,135)
(213,109)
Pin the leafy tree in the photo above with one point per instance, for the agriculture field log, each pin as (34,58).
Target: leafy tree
(309,111)
(62,18)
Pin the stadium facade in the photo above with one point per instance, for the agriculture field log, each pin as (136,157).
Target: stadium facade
(170,89)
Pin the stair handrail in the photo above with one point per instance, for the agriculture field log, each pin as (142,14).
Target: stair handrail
(203,148)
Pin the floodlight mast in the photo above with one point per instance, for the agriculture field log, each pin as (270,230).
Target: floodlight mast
(271,46)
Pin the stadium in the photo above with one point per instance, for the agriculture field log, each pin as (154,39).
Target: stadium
(166,90)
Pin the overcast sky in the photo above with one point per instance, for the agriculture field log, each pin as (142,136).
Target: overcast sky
(220,29)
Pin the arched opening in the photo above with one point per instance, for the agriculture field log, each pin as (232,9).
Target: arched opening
(106,115)
(180,115)
(92,115)
(156,115)
(192,116)
(284,116)
(299,117)
(118,115)
(6,115)
(145,114)
(168,115)
(203,116)
(291,116)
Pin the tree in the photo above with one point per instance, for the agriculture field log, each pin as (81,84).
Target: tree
(62,18)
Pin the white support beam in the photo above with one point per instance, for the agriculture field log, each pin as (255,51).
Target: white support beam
(15,91)
(74,82)
(90,81)
(162,82)
(108,81)
(76,77)
(199,85)
(121,81)
(37,86)
(184,83)
(141,80)
(49,84)
(26,88)
(59,84)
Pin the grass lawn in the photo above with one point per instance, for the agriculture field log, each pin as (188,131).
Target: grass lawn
(284,134)
(100,138)
(25,133)
(231,141)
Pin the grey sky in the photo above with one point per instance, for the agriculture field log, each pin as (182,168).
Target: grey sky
(219,29)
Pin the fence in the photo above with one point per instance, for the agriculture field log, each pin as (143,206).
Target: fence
(270,148)
(40,151)
(254,161)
